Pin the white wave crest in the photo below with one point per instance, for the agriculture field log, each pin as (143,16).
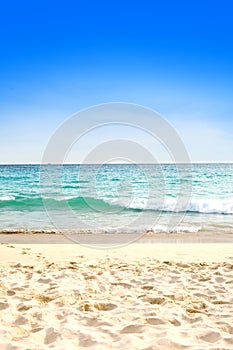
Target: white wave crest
(198,205)
(176,229)
(215,206)
(7,198)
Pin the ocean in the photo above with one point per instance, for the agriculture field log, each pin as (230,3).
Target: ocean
(117,198)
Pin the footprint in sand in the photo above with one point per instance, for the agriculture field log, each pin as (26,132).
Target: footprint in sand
(183,265)
(44,280)
(147,287)
(211,336)
(4,306)
(29,276)
(156,300)
(85,340)
(105,306)
(37,329)
(43,299)
(175,322)
(20,321)
(88,277)
(122,284)
(99,306)
(39,257)
(26,251)
(23,307)
(51,336)
(155,321)
(220,279)
(132,329)
(16,265)
(10,292)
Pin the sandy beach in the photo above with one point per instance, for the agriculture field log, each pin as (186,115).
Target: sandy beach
(146,295)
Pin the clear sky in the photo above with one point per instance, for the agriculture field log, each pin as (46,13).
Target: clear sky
(57,57)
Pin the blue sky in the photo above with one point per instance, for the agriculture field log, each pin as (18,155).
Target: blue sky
(172,56)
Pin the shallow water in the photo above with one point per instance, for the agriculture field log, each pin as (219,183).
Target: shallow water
(117,198)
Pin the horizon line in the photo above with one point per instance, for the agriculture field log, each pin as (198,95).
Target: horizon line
(159,163)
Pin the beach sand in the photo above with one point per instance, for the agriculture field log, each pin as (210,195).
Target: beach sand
(147,295)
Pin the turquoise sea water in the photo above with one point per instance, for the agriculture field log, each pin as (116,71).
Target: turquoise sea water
(117,198)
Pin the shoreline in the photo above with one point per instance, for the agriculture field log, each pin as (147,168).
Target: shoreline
(105,239)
